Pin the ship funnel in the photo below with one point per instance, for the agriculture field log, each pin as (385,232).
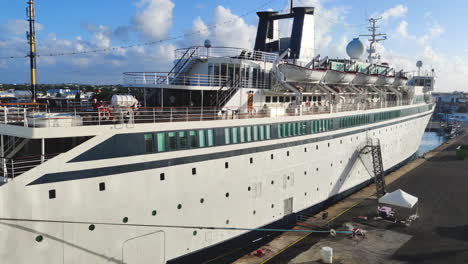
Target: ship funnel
(301,41)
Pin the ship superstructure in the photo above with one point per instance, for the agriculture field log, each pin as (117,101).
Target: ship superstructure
(234,138)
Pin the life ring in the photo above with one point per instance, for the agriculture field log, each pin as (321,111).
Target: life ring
(104,114)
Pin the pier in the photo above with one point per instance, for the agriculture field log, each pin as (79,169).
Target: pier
(439,235)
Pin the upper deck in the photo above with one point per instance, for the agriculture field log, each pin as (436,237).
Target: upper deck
(37,122)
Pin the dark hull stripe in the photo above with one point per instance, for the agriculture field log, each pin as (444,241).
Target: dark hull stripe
(106,171)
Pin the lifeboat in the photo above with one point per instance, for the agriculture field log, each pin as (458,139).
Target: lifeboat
(365,79)
(339,77)
(296,73)
(385,80)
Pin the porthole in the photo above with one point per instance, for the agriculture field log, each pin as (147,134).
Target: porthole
(305,172)
(179,206)
(251,160)
(227,195)
(272,182)
(39,238)
(202,200)
(194,171)
(331,165)
(289,178)
(341,162)
(52,194)
(125,220)
(254,212)
(305,149)
(341,141)
(272,156)
(305,194)
(249,188)
(317,188)
(227,222)
(287,153)
(328,144)
(102,186)
(154,213)
(316,147)
(91,227)
(195,233)
(317,169)
(272,206)
(162,176)
(226,165)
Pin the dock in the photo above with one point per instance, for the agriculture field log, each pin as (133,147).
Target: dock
(439,235)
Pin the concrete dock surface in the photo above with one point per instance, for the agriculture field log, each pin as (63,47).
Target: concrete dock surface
(439,235)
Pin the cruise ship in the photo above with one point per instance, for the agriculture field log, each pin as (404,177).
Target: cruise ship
(228,141)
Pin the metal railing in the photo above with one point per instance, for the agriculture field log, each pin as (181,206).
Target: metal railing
(184,79)
(12,168)
(34,117)
(227,52)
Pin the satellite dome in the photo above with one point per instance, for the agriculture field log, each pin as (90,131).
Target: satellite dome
(355,49)
(208,43)
(419,64)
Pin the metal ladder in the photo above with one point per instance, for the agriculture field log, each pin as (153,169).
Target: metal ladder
(223,96)
(183,63)
(373,147)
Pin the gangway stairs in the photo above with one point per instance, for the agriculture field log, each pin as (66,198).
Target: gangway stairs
(224,95)
(184,63)
(373,148)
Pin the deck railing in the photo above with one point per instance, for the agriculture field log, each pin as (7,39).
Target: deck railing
(183,79)
(36,117)
(12,168)
(227,52)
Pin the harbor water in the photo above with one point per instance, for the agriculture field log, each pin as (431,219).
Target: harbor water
(430,141)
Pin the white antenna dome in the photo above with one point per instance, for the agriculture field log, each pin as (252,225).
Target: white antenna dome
(419,64)
(208,44)
(355,49)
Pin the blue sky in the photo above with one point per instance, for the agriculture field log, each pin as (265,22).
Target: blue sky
(428,30)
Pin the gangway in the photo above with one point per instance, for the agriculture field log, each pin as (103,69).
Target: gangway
(373,148)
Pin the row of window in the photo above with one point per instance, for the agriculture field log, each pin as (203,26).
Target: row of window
(194,139)
(287,99)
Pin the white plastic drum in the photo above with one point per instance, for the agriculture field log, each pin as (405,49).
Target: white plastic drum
(327,255)
(124,101)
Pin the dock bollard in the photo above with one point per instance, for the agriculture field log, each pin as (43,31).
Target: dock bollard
(327,255)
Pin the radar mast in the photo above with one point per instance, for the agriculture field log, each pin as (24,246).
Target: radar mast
(374,38)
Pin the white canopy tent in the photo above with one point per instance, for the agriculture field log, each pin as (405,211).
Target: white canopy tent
(399,198)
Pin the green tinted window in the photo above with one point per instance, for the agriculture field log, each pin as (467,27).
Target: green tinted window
(262,132)
(249,134)
(171,141)
(161,142)
(242,134)
(280,130)
(255,133)
(227,136)
(193,139)
(183,142)
(268,132)
(201,139)
(149,143)
(210,135)
(235,139)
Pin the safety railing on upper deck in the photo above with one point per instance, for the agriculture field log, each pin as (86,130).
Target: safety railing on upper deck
(165,79)
(42,118)
(227,52)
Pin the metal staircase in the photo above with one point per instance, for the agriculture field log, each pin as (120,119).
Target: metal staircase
(224,95)
(374,149)
(184,63)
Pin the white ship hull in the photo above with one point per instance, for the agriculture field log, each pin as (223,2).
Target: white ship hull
(245,185)
(339,77)
(294,73)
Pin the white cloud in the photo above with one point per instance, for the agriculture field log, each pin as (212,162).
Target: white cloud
(402,29)
(436,30)
(155,19)
(396,11)
(18,27)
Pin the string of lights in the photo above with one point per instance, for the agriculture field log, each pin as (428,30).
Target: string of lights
(149,43)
